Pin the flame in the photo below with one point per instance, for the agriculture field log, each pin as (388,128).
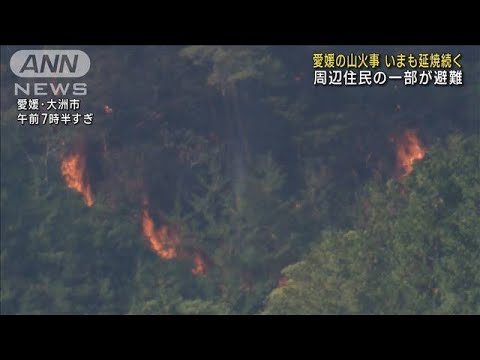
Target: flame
(163,241)
(200,267)
(73,170)
(107,110)
(409,150)
(282,282)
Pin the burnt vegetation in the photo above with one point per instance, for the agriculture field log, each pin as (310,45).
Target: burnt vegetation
(219,180)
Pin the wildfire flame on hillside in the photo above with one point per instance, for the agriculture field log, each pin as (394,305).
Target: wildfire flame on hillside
(409,150)
(162,241)
(200,267)
(165,242)
(107,110)
(282,282)
(74,172)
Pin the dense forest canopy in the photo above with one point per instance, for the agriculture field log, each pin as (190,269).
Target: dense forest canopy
(220,180)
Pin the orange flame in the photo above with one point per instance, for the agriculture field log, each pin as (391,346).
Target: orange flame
(282,282)
(73,170)
(163,241)
(107,110)
(409,150)
(200,267)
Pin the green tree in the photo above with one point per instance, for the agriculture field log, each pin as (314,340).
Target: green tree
(415,249)
(248,234)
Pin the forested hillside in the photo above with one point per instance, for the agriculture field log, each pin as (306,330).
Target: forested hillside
(220,180)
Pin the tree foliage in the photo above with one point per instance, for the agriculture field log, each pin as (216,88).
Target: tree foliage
(413,251)
(282,197)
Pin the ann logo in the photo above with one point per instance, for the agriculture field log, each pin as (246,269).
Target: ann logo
(57,65)
(50,63)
